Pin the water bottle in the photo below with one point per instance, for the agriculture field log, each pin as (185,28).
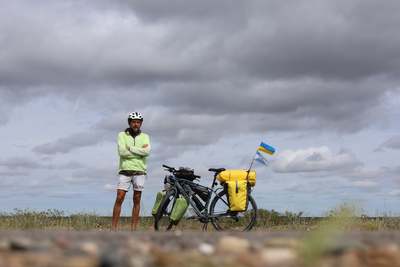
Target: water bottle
(188,189)
(199,205)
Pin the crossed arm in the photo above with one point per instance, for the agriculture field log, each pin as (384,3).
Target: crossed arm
(132,152)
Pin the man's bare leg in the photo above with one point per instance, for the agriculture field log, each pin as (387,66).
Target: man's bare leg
(136,208)
(117,207)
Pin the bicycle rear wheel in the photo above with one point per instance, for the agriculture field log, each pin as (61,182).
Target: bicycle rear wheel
(232,220)
(162,221)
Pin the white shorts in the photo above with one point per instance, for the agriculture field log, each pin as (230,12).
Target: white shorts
(138,181)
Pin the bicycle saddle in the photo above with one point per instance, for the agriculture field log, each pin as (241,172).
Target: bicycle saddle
(216,170)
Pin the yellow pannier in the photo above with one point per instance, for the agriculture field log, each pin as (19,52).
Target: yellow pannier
(237,175)
(237,195)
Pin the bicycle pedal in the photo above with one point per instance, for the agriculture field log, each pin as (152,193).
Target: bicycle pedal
(236,218)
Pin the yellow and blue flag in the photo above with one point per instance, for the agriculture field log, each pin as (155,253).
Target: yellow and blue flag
(266,148)
(259,158)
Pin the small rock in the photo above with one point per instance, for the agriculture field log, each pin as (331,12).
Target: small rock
(62,242)
(206,249)
(91,248)
(5,245)
(233,244)
(282,242)
(134,245)
(21,244)
(351,259)
(385,256)
(177,233)
(278,256)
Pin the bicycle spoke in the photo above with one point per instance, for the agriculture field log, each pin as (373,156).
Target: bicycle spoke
(163,221)
(232,221)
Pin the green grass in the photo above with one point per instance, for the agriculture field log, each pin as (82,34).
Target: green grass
(49,220)
(344,217)
(31,219)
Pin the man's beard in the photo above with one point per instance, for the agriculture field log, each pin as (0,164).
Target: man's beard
(134,132)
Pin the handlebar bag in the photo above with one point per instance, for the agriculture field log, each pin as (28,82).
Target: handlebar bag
(237,195)
(185,173)
(178,210)
(237,175)
(159,198)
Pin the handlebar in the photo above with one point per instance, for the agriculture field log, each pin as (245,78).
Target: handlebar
(170,169)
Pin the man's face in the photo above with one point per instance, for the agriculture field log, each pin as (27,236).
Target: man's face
(135,125)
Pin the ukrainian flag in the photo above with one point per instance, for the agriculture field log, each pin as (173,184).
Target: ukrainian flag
(266,148)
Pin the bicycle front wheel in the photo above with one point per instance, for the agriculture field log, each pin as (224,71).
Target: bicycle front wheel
(228,220)
(162,221)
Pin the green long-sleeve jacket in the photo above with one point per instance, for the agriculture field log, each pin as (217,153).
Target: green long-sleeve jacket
(133,159)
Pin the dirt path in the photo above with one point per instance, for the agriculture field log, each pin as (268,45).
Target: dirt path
(72,248)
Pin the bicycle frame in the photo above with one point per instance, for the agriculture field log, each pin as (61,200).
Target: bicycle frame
(202,214)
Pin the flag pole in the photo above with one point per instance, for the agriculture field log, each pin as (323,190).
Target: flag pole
(248,172)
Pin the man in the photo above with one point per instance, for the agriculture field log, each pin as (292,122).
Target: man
(133,148)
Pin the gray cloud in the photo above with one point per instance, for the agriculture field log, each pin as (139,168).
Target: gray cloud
(360,184)
(367,173)
(262,65)
(71,165)
(393,142)
(315,160)
(394,193)
(66,195)
(9,172)
(66,144)
(297,187)
(200,73)
(254,40)
(93,174)
(269,39)
(34,193)
(16,163)
(178,10)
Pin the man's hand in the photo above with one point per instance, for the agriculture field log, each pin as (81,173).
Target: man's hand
(144,146)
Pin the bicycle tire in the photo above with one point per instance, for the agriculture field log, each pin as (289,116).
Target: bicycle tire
(233,221)
(162,220)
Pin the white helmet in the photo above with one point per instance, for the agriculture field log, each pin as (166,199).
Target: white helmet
(135,116)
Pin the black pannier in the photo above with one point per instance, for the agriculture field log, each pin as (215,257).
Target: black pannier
(201,191)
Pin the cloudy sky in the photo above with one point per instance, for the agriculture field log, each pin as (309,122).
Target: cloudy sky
(317,80)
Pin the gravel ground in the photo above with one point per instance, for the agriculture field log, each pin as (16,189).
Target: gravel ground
(101,248)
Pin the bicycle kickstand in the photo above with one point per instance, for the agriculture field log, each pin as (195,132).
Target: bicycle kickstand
(205,227)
